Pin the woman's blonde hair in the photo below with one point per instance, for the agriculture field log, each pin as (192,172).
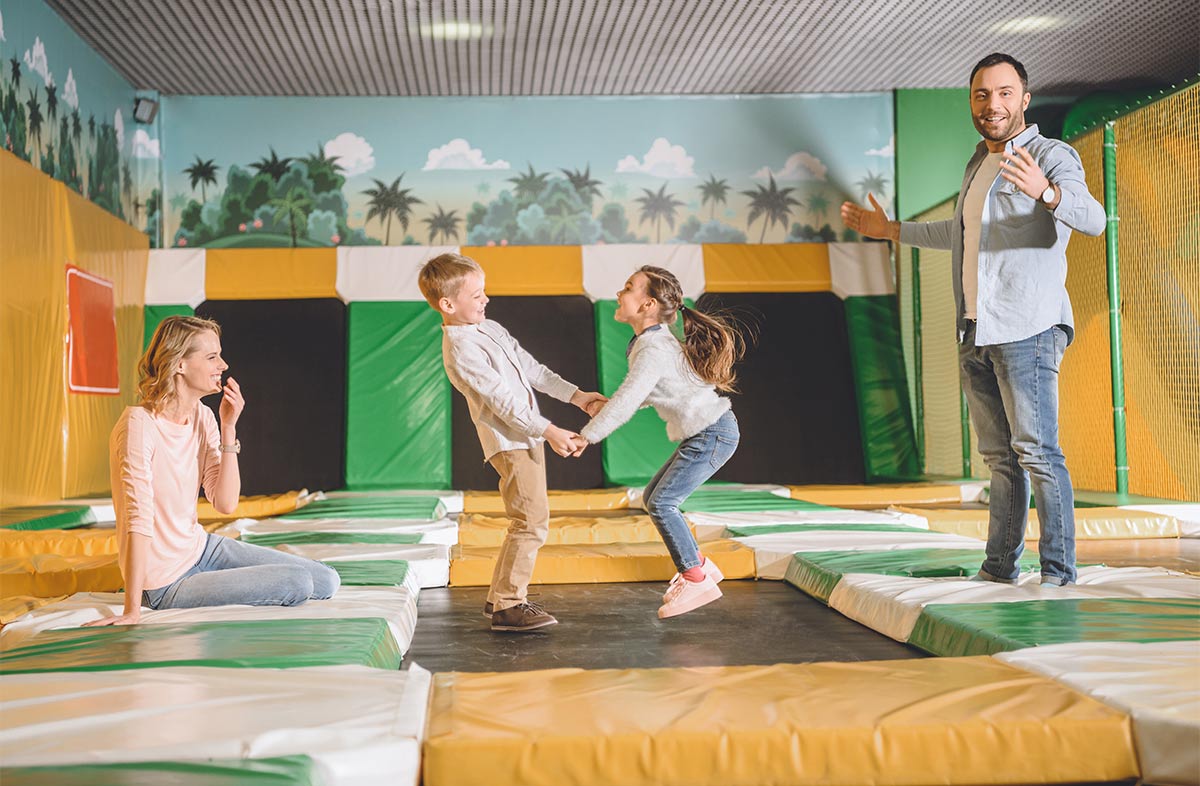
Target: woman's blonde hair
(172,342)
(712,343)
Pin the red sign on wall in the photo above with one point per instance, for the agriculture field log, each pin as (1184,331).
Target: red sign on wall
(91,334)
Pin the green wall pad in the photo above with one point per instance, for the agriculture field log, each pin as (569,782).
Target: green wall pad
(155,314)
(405,507)
(718,500)
(300,538)
(635,451)
(877,359)
(47,517)
(371,572)
(398,398)
(987,628)
(267,644)
(282,771)
(818,572)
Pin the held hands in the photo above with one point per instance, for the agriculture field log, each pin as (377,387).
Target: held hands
(1021,170)
(872,223)
(232,402)
(591,403)
(561,440)
(581,443)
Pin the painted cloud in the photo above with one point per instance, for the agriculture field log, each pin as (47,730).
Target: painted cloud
(458,154)
(662,160)
(352,152)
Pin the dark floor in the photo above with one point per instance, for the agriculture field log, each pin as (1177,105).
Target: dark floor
(614,626)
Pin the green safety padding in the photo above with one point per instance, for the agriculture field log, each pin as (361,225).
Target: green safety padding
(880,381)
(371,572)
(297,538)
(776,529)
(47,517)
(634,452)
(156,314)
(987,628)
(818,572)
(398,398)
(718,500)
(263,644)
(281,771)
(404,507)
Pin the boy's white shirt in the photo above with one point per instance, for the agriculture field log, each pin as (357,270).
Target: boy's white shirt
(660,376)
(497,377)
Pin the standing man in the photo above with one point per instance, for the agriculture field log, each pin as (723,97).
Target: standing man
(1021,196)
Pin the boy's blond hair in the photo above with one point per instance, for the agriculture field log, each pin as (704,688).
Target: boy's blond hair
(443,276)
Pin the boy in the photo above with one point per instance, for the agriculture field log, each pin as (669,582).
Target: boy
(498,377)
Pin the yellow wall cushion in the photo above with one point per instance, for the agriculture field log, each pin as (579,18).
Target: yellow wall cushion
(530,270)
(786,267)
(270,273)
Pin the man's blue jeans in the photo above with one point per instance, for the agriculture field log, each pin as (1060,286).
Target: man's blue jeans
(1012,393)
(231,572)
(695,460)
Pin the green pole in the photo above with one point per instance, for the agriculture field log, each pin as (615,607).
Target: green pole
(918,362)
(1114,307)
(966,432)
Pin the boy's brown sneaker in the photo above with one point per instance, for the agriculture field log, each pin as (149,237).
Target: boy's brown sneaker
(521,618)
(487,609)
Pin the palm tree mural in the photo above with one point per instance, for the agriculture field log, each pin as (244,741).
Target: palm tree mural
(51,105)
(872,184)
(529,184)
(713,191)
(326,172)
(178,201)
(293,207)
(483,189)
(34,119)
(583,184)
(772,203)
(126,181)
(443,224)
(656,207)
(274,166)
(818,206)
(388,202)
(15,64)
(203,173)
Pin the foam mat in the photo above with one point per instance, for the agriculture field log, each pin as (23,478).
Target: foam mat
(283,771)
(17,606)
(438,531)
(428,563)
(37,517)
(476,529)
(49,575)
(773,552)
(277,644)
(259,507)
(577,501)
(427,508)
(885,495)
(361,725)
(944,720)
(82,542)
(1090,523)
(471,566)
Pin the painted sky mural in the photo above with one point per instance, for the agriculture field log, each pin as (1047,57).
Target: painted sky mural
(519,171)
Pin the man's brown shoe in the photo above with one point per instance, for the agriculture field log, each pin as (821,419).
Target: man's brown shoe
(487,609)
(521,618)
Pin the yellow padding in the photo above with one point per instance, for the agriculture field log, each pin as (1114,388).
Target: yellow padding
(260,507)
(530,270)
(869,497)
(47,575)
(787,267)
(580,501)
(20,605)
(270,273)
(937,720)
(471,566)
(63,542)
(476,529)
(1090,523)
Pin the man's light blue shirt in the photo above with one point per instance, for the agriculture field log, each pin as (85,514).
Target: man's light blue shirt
(1022,244)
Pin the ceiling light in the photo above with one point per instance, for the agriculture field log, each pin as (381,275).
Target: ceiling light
(455,31)
(1029,24)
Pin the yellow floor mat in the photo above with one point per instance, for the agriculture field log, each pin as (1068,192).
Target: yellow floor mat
(20,605)
(577,501)
(261,507)
(478,529)
(939,720)
(880,496)
(1090,523)
(471,566)
(63,542)
(47,575)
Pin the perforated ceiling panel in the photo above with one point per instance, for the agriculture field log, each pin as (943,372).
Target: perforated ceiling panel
(631,47)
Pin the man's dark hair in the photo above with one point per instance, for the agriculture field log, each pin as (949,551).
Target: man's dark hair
(996,58)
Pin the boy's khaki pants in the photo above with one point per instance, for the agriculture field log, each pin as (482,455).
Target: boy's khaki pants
(523,489)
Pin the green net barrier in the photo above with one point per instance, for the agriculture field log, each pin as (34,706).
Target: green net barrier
(263,644)
(299,538)
(880,381)
(281,771)
(402,507)
(818,572)
(47,517)
(988,628)
(371,572)
(398,398)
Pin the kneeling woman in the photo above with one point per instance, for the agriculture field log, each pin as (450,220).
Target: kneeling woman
(161,452)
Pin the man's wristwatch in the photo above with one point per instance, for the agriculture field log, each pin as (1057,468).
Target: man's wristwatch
(1048,195)
(236,447)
